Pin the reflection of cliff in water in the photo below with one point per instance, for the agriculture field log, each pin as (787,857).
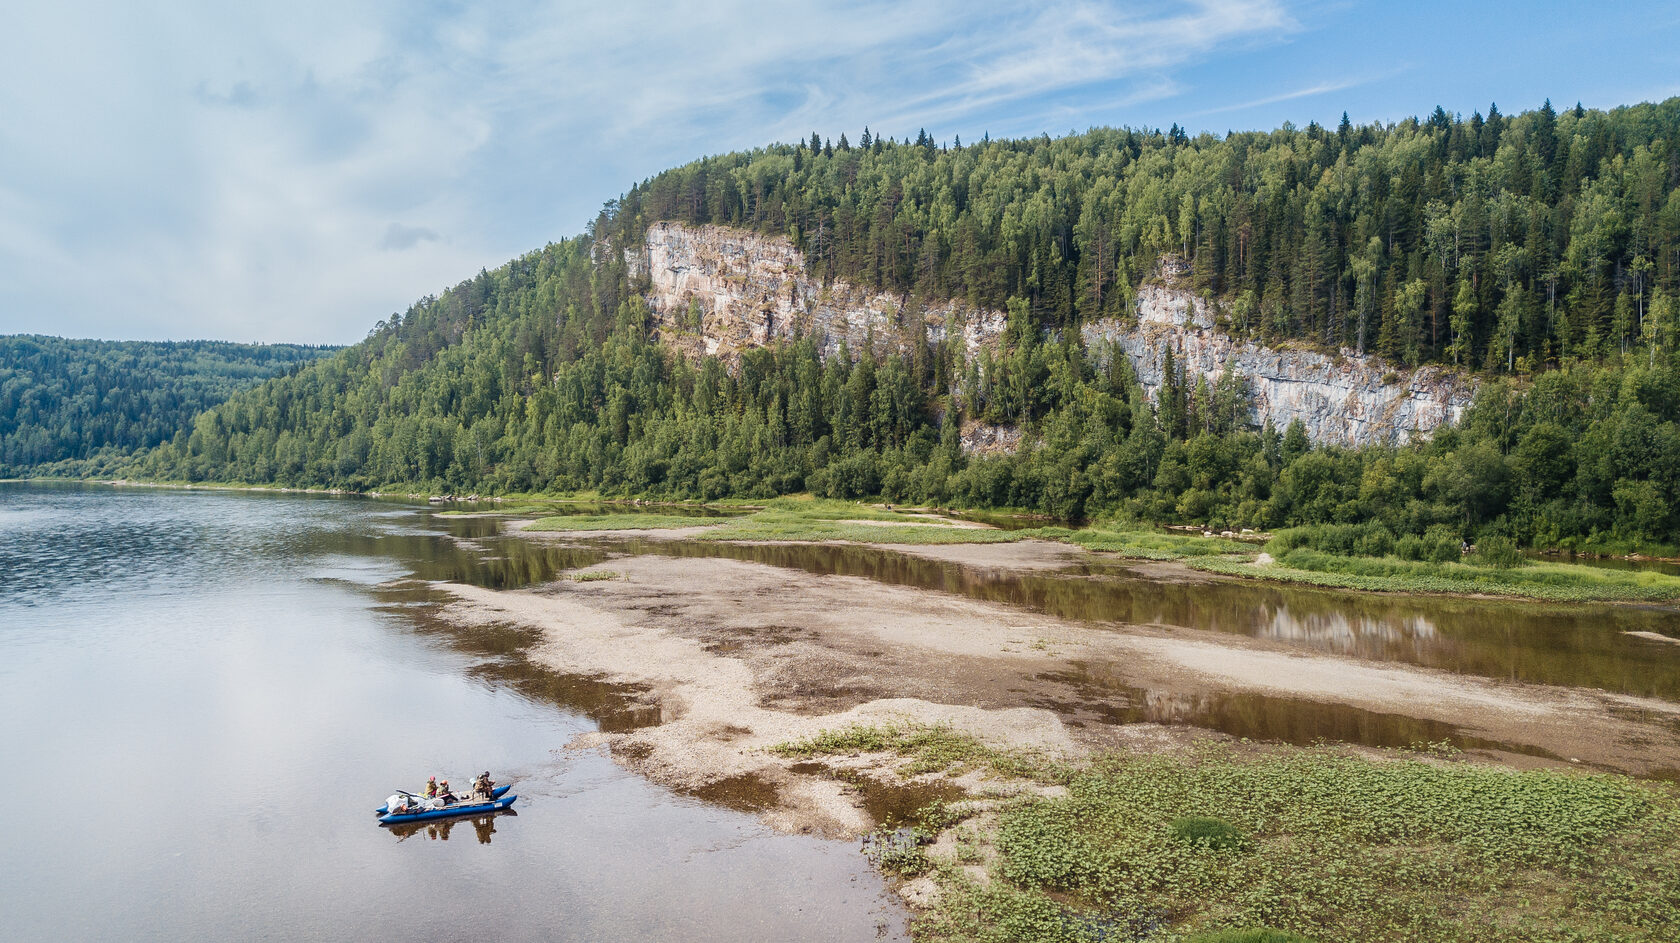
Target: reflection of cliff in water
(1574,645)
(1347,633)
(1109,696)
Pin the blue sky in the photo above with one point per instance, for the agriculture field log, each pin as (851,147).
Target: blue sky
(295,172)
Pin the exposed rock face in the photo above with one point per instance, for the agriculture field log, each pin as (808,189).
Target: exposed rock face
(719,291)
(1343,400)
(985,438)
(715,290)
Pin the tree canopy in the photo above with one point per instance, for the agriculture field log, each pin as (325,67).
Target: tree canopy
(70,401)
(1542,249)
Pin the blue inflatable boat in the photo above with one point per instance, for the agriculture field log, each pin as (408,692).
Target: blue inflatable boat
(468,807)
(496,793)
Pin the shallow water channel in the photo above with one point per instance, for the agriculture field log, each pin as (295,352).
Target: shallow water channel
(1587,645)
(204,694)
(1575,645)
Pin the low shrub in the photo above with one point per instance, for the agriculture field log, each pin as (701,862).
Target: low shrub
(1366,540)
(1217,834)
(1499,552)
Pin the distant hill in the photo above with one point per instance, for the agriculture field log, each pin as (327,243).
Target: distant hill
(69,405)
(1537,253)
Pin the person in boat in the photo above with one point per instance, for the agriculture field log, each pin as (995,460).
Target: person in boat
(444,794)
(483,787)
(432,788)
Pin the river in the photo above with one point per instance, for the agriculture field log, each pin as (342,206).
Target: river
(204,694)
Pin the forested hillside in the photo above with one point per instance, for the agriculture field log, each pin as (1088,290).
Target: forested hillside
(1542,248)
(1505,243)
(64,403)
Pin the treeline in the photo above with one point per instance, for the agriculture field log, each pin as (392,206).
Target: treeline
(1505,243)
(64,403)
(541,376)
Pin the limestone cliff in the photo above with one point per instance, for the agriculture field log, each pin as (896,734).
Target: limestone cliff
(1342,400)
(715,290)
(719,291)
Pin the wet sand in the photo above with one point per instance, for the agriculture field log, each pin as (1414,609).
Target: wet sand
(740,656)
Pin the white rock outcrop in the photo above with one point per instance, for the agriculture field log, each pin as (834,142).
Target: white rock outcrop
(716,290)
(1341,400)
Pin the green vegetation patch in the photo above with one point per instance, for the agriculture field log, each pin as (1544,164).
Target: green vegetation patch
(781,525)
(626,521)
(505,509)
(1149,544)
(1336,848)
(934,748)
(803,518)
(1562,582)
(1255,935)
(1217,834)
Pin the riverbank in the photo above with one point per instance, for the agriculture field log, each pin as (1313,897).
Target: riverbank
(805,519)
(761,678)
(740,660)
(1180,844)
(802,518)
(1540,580)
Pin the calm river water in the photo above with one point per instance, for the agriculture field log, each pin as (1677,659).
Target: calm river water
(203,695)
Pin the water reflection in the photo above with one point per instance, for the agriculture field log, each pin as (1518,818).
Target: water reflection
(253,645)
(1109,696)
(1571,645)
(501,650)
(484,827)
(467,550)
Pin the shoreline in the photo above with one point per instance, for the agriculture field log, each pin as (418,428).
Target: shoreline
(817,646)
(744,662)
(949,526)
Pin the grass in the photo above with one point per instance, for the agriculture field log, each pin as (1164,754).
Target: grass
(1231,843)
(816,519)
(499,509)
(802,518)
(1147,544)
(931,748)
(806,519)
(595,576)
(618,521)
(1255,935)
(781,525)
(1558,582)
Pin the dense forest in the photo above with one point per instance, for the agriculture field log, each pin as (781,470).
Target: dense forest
(72,406)
(1510,243)
(1541,248)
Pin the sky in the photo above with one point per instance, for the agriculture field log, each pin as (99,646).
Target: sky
(296,172)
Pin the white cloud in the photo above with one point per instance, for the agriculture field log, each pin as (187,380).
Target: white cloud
(298,171)
(1321,88)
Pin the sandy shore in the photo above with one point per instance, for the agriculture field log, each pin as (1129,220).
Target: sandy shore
(740,656)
